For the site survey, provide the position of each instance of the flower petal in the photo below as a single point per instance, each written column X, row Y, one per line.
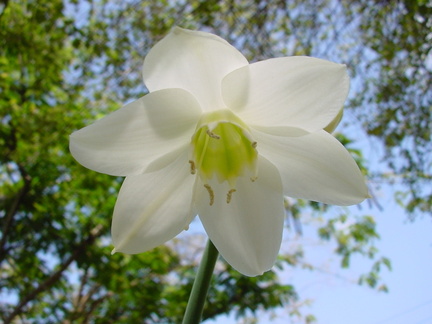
column 126, row 141
column 248, row 230
column 296, row 91
column 194, row 61
column 335, row 122
column 153, row 208
column 315, row 167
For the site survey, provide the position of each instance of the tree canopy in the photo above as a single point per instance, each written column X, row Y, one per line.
column 64, row 64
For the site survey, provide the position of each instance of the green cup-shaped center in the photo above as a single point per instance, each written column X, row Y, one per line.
column 223, row 147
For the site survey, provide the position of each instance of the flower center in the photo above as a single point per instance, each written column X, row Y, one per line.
column 222, row 147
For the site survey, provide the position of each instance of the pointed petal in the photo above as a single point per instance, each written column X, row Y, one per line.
column 194, row 61
column 335, row 122
column 302, row 92
column 126, row 141
column 153, row 208
column 248, row 230
column 315, row 167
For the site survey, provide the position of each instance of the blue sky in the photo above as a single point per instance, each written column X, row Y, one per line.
column 332, row 294
column 409, row 300
column 336, row 299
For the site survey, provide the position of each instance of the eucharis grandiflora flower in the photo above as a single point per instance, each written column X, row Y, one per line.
column 225, row 140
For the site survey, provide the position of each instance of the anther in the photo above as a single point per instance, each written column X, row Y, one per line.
column 253, row 179
column 192, row 167
column 229, row 195
column 211, row 193
column 254, row 144
column 212, row 135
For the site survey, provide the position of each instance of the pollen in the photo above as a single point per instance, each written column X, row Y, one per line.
column 229, row 195
column 211, row 193
column 192, row 167
column 212, row 135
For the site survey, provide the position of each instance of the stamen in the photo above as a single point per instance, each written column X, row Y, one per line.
column 211, row 193
column 229, row 195
column 255, row 175
column 254, row 144
column 192, row 167
column 212, row 135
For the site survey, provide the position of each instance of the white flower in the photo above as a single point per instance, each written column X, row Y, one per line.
column 226, row 140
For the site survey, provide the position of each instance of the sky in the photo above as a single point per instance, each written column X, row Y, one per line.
column 409, row 300
column 336, row 298
column 333, row 295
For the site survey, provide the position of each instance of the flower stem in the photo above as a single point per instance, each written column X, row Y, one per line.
column 201, row 285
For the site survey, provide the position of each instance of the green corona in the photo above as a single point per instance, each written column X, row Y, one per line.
column 223, row 147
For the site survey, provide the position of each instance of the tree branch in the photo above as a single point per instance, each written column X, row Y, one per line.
column 95, row 232
column 13, row 209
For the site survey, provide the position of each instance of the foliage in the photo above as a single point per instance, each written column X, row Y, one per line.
column 56, row 265
column 66, row 63
column 396, row 97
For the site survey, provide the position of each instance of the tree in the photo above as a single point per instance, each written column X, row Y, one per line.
column 54, row 250
column 65, row 63
column 395, row 101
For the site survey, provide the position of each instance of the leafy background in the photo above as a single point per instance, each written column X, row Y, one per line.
column 64, row 64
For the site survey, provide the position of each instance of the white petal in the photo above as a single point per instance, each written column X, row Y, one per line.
column 153, row 208
column 335, row 122
column 298, row 91
column 194, row 61
column 126, row 141
column 315, row 167
column 248, row 230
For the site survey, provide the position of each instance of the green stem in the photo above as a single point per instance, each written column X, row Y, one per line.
column 201, row 285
